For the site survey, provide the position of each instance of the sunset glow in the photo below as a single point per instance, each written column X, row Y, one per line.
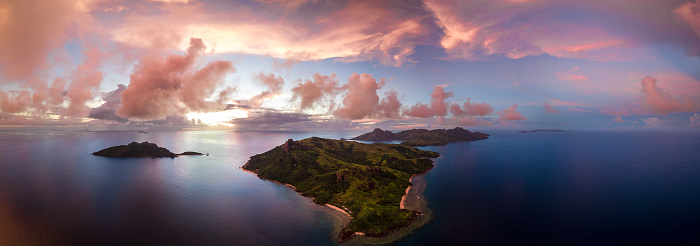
column 166, row 62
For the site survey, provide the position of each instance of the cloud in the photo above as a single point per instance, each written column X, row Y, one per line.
column 515, row 29
column 616, row 112
column 84, row 84
column 689, row 13
column 270, row 118
column 15, row 102
column 550, row 109
column 389, row 106
column 420, row 110
column 579, row 110
column 652, row 122
column 287, row 4
column 618, row 119
column 573, row 74
column 660, row 101
column 362, row 101
column 29, row 29
column 510, row 114
column 40, row 98
column 167, row 86
column 472, row 31
column 471, row 109
column 107, row 111
column 437, row 107
column 274, row 86
column 695, row 120
column 348, row 31
column 313, row 91
column 564, row 103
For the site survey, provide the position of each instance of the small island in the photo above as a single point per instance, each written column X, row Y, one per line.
column 144, row 149
column 423, row 137
column 546, row 130
column 366, row 181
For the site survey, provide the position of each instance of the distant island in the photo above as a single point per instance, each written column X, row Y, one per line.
column 423, row 137
column 546, row 130
column 144, row 149
column 365, row 181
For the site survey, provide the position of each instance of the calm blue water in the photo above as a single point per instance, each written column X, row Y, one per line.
column 530, row 188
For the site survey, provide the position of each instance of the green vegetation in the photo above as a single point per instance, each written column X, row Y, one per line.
column 423, row 137
column 366, row 180
column 135, row 149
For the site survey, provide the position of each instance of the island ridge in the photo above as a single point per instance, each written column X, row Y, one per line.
column 367, row 181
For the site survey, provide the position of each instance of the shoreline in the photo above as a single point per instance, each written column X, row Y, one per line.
column 412, row 199
column 402, row 205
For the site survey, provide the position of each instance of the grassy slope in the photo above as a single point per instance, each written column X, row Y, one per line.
column 368, row 180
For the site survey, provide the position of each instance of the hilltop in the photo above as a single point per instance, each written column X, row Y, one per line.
column 365, row 180
column 144, row 149
column 423, row 137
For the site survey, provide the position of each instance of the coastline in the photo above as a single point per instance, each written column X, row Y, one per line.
column 403, row 203
column 413, row 199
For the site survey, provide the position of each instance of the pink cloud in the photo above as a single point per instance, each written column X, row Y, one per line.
column 389, row 106
column 438, row 107
column 573, row 74
column 419, row 110
column 84, row 84
column 471, row 109
column 273, row 84
column 563, row 103
column 472, row 31
column 695, row 120
column 579, row 110
column 15, row 102
column 347, row 31
column 618, row 119
column 27, row 41
column 550, row 109
column 510, row 114
column 165, row 86
column 689, row 13
column 616, row 112
column 660, row 101
column 361, row 100
column 40, row 98
column 529, row 28
column 312, row 91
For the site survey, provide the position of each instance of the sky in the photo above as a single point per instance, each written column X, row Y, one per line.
column 315, row 64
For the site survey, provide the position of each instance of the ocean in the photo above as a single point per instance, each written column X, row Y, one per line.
column 565, row 188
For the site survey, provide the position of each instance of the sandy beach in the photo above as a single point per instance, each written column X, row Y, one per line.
column 339, row 210
column 412, row 200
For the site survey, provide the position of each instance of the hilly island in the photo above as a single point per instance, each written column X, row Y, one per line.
column 367, row 181
column 144, row 149
column 423, row 137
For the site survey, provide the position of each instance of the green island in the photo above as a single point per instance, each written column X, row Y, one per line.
column 367, row 181
column 144, row 149
column 423, row 137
